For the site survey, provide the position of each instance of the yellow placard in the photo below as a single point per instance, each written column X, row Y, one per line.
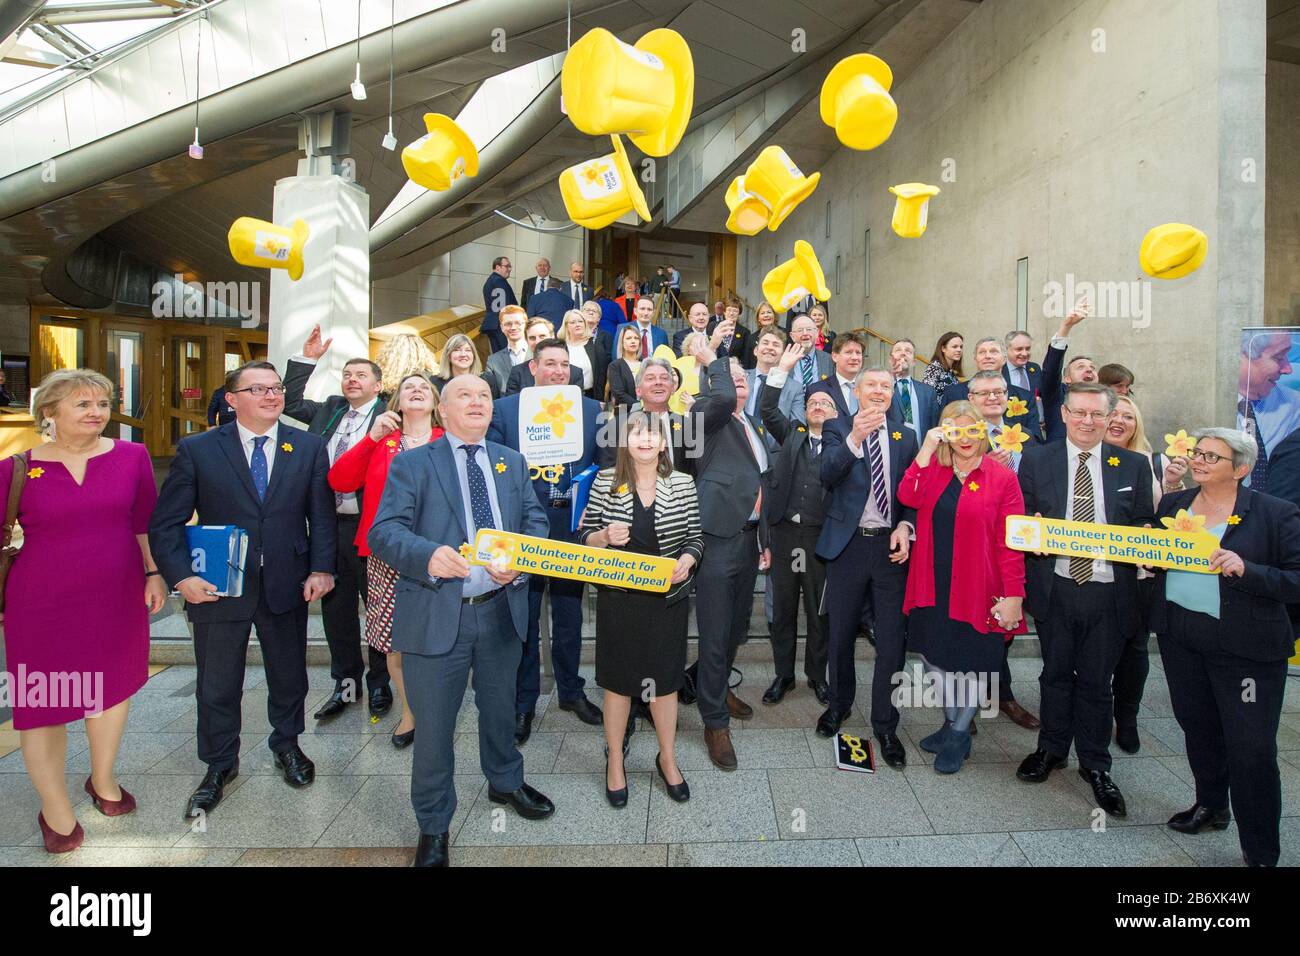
column 507, row 551
column 1156, row 547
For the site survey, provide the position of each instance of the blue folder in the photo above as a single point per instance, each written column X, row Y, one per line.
column 580, row 488
column 217, row 554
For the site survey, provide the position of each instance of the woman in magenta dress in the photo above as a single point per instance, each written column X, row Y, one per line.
column 79, row 595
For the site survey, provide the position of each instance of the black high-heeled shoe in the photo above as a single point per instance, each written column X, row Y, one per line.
column 679, row 792
column 617, row 798
column 402, row 741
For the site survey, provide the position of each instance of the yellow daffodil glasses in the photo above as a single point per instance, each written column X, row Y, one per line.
column 953, row 432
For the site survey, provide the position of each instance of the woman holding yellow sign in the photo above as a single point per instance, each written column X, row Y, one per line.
column 641, row 505
column 1225, row 640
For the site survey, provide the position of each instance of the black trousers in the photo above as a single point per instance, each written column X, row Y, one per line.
column 1081, row 642
column 797, row 573
column 220, row 650
column 724, row 600
column 1134, row 661
column 863, row 570
column 1229, row 708
column 342, row 623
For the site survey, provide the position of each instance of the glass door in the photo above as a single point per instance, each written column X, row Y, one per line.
column 132, row 375
column 188, row 387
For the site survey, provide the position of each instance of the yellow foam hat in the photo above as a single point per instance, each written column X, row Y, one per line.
column 264, row 245
column 747, row 214
column 855, row 101
column 601, row 190
column 441, row 156
column 778, row 184
column 1172, row 250
column 644, row 91
column 795, row 278
column 911, row 209
column 689, row 370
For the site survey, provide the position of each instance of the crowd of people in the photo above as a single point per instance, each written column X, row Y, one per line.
column 874, row 500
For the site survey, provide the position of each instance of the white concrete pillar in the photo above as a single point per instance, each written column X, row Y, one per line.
column 334, row 290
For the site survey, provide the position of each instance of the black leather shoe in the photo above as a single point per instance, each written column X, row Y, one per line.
column 1126, row 736
column 525, row 801
column 821, row 690
column 678, row 792
column 523, row 728
column 891, row 748
column 687, row 694
column 402, row 741
column 828, row 724
column 381, row 701
column 298, row 770
column 431, row 850
column 780, row 687
column 866, row 634
column 617, row 798
column 585, row 710
column 1197, row 818
column 333, row 706
column 1038, row 765
column 209, row 792
column 1103, row 788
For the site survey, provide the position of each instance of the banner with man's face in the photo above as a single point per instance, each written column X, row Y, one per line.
column 1268, row 391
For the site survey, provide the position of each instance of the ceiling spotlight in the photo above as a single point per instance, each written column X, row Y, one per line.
column 196, row 151
column 358, row 88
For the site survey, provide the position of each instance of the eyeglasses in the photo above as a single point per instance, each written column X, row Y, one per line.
column 259, row 391
column 1209, row 457
column 1087, row 416
column 991, row 393
column 958, row 432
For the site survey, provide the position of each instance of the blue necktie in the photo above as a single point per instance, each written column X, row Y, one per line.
column 257, row 465
column 905, row 394
column 806, row 369
column 479, row 503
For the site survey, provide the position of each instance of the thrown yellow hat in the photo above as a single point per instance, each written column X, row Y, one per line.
column 441, row 156
column 644, row 91
column 601, row 190
column 855, row 101
column 795, row 278
column 748, row 216
column 1172, row 250
column 264, row 245
column 689, row 370
column 911, row 209
column 778, row 184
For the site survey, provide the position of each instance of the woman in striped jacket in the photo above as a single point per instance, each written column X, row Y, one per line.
column 644, row 507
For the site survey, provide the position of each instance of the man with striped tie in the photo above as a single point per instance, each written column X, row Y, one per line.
column 1082, row 606
column 816, row 365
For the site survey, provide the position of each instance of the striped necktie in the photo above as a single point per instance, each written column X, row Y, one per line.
column 1085, row 509
column 806, row 369
column 879, row 487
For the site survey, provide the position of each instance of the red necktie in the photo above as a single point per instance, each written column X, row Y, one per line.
column 645, row 343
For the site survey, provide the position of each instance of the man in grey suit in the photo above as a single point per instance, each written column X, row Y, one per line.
column 816, row 365
column 437, row 497
column 517, row 351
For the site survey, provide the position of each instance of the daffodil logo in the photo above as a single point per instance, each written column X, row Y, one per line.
column 594, row 172
column 555, row 413
column 1179, row 445
column 1026, row 535
column 1184, row 521
column 1017, row 407
column 1012, row 439
column 499, row 551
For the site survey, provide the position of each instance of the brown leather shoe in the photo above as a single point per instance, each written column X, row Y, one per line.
column 738, row 708
column 1019, row 715
column 721, row 752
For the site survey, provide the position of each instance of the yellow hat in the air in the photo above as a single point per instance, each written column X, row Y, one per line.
column 796, row 278
column 775, row 180
column 747, row 214
column 645, row 91
column 441, row 156
column 264, row 245
column 1172, row 250
column 911, row 209
column 855, row 101
column 601, row 190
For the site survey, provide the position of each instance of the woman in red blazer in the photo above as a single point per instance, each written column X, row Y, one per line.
column 964, row 585
column 410, row 421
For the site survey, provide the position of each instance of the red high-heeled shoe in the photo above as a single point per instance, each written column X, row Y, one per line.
column 59, row 842
column 111, row 808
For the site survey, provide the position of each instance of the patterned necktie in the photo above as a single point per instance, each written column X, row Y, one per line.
column 480, row 504
column 345, row 442
column 905, row 399
column 879, row 488
column 645, row 343
column 1258, row 474
column 257, row 466
column 1084, row 510
column 816, row 446
column 806, row 369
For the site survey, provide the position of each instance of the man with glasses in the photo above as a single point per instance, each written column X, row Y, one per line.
column 1083, row 606
column 1021, row 406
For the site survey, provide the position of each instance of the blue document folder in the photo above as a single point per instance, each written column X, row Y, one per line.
column 580, row 488
column 217, row 554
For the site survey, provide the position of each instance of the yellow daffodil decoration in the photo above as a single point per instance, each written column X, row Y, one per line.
column 286, row 447
column 677, row 426
column 1113, row 461
column 1012, row 439
column 1234, row 519
column 1184, row 521
column 973, row 486
column 1180, row 445
column 35, row 472
column 622, row 489
column 555, row 412
column 391, row 443
column 898, row 436
column 501, row 467
column 466, row 550
column 802, row 429
column 1017, row 407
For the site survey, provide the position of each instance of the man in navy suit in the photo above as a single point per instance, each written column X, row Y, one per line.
column 451, row 617
column 497, row 294
column 865, row 541
column 536, row 283
column 269, row 480
column 550, row 367
column 1057, row 376
column 697, row 320
column 847, row 355
column 651, row 335
column 1019, row 370
column 1021, row 408
column 915, row 403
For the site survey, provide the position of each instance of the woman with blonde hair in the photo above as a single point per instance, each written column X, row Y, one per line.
column 84, row 508
column 764, row 317
column 459, row 357
column 585, row 353
column 623, row 369
column 404, row 354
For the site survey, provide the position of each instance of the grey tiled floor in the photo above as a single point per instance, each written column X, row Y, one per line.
column 785, row 806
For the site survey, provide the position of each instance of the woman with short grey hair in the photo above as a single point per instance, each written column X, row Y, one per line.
column 1222, row 633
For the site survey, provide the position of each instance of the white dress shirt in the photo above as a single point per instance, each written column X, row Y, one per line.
column 269, row 447
column 760, row 454
column 1102, row 572
column 355, row 430
column 578, row 356
column 871, row 516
